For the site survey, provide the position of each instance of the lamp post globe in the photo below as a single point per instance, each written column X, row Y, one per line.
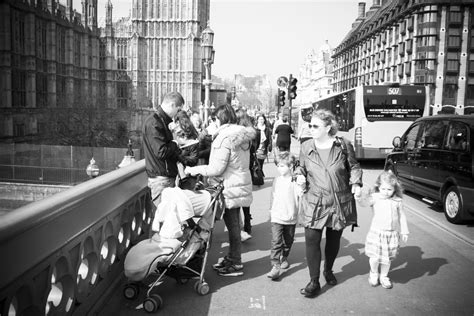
column 92, row 169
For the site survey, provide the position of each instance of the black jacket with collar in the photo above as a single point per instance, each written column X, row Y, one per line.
column 161, row 152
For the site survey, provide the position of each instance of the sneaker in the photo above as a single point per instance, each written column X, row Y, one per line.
column 244, row 236
column 274, row 273
column 386, row 283
column 284, row 263
column 373, row 279
column 232, row 269
column 221, row 263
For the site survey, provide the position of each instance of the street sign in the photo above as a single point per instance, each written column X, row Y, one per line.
column 282, row 82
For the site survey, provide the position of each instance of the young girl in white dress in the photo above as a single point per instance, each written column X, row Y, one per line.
column 388, row 226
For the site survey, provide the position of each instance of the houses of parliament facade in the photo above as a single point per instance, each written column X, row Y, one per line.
column 53, row 57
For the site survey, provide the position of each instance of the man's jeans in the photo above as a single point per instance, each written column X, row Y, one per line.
column 157, row 185
column 232, row 222
column 282, row 240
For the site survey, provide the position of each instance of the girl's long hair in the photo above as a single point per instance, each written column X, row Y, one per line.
column 390, row 178
column 188, row 129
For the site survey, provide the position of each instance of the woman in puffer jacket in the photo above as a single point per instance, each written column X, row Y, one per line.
column 229, row 162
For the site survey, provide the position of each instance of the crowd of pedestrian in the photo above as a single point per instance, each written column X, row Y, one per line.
column 318, row 193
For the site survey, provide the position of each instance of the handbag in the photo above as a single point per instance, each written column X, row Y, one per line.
column 258, row 177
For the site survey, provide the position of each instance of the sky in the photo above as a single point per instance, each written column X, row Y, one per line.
column 273, row 37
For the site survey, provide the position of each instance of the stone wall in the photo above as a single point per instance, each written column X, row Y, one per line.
column 28, row 192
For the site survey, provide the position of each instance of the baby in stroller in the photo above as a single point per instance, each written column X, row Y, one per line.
column 180, row 244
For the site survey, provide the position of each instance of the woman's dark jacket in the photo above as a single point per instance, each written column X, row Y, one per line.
column 161, row 152
column 318, row 205
column 267, row 145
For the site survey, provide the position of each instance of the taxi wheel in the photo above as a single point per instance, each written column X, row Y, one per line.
column 452, row 205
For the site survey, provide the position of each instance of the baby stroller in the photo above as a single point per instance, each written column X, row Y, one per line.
column 181, row 258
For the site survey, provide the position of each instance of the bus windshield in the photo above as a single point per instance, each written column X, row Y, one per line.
column 404, row 103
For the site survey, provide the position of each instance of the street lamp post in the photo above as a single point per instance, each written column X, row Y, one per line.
column 207, row 39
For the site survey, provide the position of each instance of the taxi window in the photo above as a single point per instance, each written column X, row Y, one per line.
column 457, row 137
column 433, row 134
column 410, row 137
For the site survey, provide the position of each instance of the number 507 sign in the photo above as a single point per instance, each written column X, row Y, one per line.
column 394, row 91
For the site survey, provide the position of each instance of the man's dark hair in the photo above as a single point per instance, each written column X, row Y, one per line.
column 226, row 114
column 285, row 119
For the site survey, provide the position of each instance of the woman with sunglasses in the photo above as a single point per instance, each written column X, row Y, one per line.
column 333, row 176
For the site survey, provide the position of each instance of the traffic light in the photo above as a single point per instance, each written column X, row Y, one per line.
column 281, row 98
column 292, row 88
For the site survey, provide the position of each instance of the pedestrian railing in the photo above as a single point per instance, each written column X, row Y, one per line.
column 61, row 255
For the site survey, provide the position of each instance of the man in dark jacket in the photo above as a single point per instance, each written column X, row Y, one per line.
column 161, row 152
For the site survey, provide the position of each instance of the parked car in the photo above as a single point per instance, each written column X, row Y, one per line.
column 435, row 158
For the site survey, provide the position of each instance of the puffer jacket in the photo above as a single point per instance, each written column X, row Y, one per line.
column 318, row 205
column 229, row 161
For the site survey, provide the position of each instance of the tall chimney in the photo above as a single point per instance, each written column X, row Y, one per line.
column 361, row 14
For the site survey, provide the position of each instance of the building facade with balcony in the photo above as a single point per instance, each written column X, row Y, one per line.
column 53, row 58
column 412, row 42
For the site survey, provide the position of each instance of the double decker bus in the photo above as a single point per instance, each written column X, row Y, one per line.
column 371, row 116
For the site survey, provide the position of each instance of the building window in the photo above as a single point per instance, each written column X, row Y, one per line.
column 18, row 31
column 102, row 55
column 452, row 64
column 470, row 94
column 450, row 91
column 61, row 44
column 471, row 62
column 41, row 90
column 122, row 95
column 122, row 54
column 41, row 43
column 454, row 38
column 77, row 49
column 19, row 130
column 18, row 88
column 455, row 15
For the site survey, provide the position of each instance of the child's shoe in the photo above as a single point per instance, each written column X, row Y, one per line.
column 274, row 273
column 232, row 269
column 385, row 282
column 373, row 279
column 284, row 263
column 244, row 236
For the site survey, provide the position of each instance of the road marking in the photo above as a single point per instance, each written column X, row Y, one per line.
column 257, row 303
column 447, row 229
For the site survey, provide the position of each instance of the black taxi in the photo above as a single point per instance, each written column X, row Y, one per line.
column 435, row 159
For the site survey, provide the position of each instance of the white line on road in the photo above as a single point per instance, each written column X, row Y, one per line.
column 447, row 229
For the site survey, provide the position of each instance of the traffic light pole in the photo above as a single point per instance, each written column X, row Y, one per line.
column 289, row 101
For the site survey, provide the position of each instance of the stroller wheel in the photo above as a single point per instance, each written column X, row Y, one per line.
column 182, row 280
column 130, row 291
column 201, row 288
column 152, row 303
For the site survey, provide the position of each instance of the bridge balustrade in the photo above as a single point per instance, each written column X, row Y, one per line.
column 63, row 254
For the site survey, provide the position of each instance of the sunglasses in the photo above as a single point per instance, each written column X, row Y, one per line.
column 313, row 126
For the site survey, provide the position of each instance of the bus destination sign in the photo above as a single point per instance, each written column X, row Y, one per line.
column 394, row 103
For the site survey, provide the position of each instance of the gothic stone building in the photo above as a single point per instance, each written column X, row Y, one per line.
column 412, row 42
column 53, row 57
